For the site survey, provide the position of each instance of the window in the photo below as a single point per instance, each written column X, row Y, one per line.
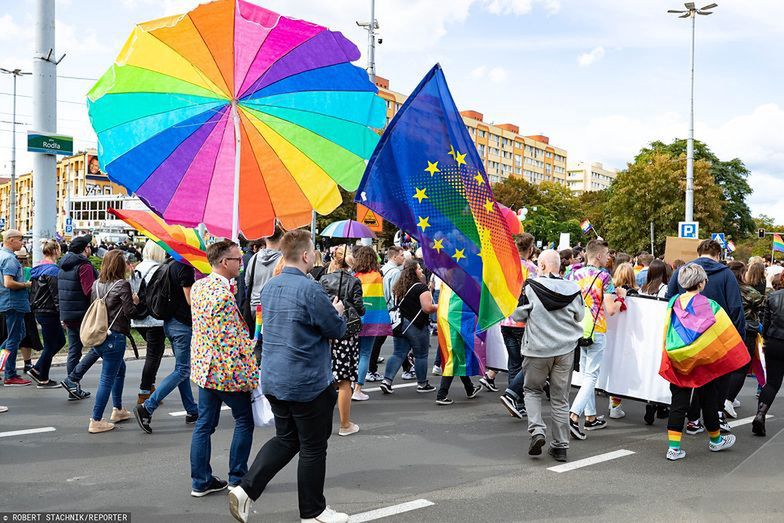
column 481, row 148
column 482, row 133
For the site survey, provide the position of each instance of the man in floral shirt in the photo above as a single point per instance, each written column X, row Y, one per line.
column 223, row 366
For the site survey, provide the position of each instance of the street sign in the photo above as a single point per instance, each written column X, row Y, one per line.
column 68, row 231
column 720, row 238
column 69, row 221
column 2, row 223
column 689, row 230
column 373, row 221
column 40, row 142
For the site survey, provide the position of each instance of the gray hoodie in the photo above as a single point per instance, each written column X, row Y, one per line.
column 265, row 261
column 553, row 310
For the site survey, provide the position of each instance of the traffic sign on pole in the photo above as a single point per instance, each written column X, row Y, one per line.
column 720, row 238
column 689, row 230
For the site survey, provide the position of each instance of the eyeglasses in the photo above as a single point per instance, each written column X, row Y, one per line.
column 235, row 259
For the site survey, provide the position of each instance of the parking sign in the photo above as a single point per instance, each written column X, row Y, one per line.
column 689, row 230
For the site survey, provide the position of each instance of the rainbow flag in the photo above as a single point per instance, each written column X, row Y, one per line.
column 182, row 243
column 586, row 226
column 701, row 343
column 778, row 243
column 376, row 321
column 259, row 323
column 730, row 246
column 462, row 350
column 426, row 176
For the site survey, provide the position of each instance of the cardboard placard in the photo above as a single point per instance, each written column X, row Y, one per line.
column 680, row 249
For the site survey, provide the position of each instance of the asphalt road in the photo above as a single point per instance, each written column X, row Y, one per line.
column 468, row 459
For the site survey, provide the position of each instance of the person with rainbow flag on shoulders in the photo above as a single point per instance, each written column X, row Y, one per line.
column 701, row 345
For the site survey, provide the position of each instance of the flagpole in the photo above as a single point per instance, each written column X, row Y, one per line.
column 235, row 216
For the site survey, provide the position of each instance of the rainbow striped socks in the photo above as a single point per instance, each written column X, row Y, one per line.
column 715, row 436
column 675, row 439
column 615, row 401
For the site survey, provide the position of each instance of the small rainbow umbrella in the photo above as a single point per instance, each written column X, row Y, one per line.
column 183, row 244
column 347, row 229
column 234, row 116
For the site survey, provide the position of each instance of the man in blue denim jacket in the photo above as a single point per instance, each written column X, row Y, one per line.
column 296, row 377
column 14, row 303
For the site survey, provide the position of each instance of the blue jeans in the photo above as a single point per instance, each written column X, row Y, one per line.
column 54, row 340
column 590, row 364
column 415, row 339
column 74, row 347
column 210, row 401
column 365, row 350
column 112, row 351
column 180, row 336
column 14, row 323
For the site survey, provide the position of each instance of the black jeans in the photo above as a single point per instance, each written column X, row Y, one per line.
column 376, row 353
column 302, row 428
column 156, row 339
column 774, row 363
column 681, row 398
column 54, row 340
column 738, row 377
column 446, row 382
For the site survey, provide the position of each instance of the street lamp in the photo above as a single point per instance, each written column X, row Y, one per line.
column 371, row 28
column 12, row 203
column 691, row 12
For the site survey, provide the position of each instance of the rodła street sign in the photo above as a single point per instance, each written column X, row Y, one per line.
column 40, row 142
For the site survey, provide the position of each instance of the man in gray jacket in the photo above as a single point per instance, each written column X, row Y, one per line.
column 553, row 310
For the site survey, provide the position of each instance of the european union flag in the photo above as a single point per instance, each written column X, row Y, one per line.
column 426, row 177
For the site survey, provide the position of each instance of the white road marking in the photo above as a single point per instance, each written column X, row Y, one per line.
column 390, row 511
column 26, row 431
column 394, row 387
column 744, row 421
column 183, row 413
column 591, row 461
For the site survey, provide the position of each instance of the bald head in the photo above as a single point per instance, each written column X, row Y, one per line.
column 549, row 262
column 13, row 239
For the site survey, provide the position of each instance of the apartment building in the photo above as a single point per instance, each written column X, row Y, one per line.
column 584, row 177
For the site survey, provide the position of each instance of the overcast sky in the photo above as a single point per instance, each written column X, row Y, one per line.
column 601, row 78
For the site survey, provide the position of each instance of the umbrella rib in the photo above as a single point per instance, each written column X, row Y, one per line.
column 246, row 94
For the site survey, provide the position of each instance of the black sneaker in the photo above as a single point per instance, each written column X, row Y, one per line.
column 216, row 485
column 75, row 392
column 662, row 412
column 385, row 387
column 535, row 447
column 444, row 401
column 36, row 376
column 598, row 423
column 143, row 418
column 27, row 367
column 427, row 387
column 574, row 428
column 475, row 392
column 488, row 383
column 650, row 412
column 558, row 454
column 49, row 384
column 511, row 406
column 190, row 419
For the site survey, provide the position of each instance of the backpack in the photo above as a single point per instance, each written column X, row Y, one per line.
column 139, row 285
column 160, row 293
column 95, row 325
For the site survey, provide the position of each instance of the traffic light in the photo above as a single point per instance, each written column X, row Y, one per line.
column 761, row 233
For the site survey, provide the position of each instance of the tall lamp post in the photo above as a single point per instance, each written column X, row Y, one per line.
column 691, row 11
column 371, row 28
column 12, row 199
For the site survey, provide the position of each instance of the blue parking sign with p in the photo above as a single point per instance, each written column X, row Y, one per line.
column 689, row 230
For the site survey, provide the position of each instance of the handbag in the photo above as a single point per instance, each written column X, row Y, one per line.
column 585, row 341
column 396, row 318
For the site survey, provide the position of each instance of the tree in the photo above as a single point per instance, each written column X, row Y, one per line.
column 651, row 190
column 593, row 207
column 731, row 176
column 755, row 246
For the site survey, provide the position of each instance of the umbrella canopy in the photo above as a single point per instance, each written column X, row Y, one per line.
column 347, row 229
column 233, row 116
column 183, row 244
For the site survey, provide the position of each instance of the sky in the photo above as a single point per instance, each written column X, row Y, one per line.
column 601, row 78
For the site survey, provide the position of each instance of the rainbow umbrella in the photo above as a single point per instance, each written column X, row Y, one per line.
column 234, row 116
column 183, row 244
column 347, row 229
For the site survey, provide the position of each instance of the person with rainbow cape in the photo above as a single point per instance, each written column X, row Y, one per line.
column 701, row 345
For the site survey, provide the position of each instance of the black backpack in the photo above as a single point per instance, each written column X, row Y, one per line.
column 142, row 309
column 159, row 293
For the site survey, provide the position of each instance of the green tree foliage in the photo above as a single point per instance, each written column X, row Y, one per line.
column 593, row 207
column 731, row 176
column 755, row 246
column 651, row 190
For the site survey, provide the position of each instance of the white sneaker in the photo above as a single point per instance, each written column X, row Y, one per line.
column 736, row 403
column 617, row 412
column 675, row 454
column 408, row 376
column 359, row 396
column 239, row 504
column 351, row 429
column 328, row 516
column 437, row 370
column 730, row 409
column 3, row 408
column 726, row 442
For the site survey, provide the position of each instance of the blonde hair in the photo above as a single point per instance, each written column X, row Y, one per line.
column 50, row 248
column 339, row 260
column 153, row 251
column 624, row 276
column 318, row 260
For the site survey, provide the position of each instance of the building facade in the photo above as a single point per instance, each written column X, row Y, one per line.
column 584, row 177
column 504, row 151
